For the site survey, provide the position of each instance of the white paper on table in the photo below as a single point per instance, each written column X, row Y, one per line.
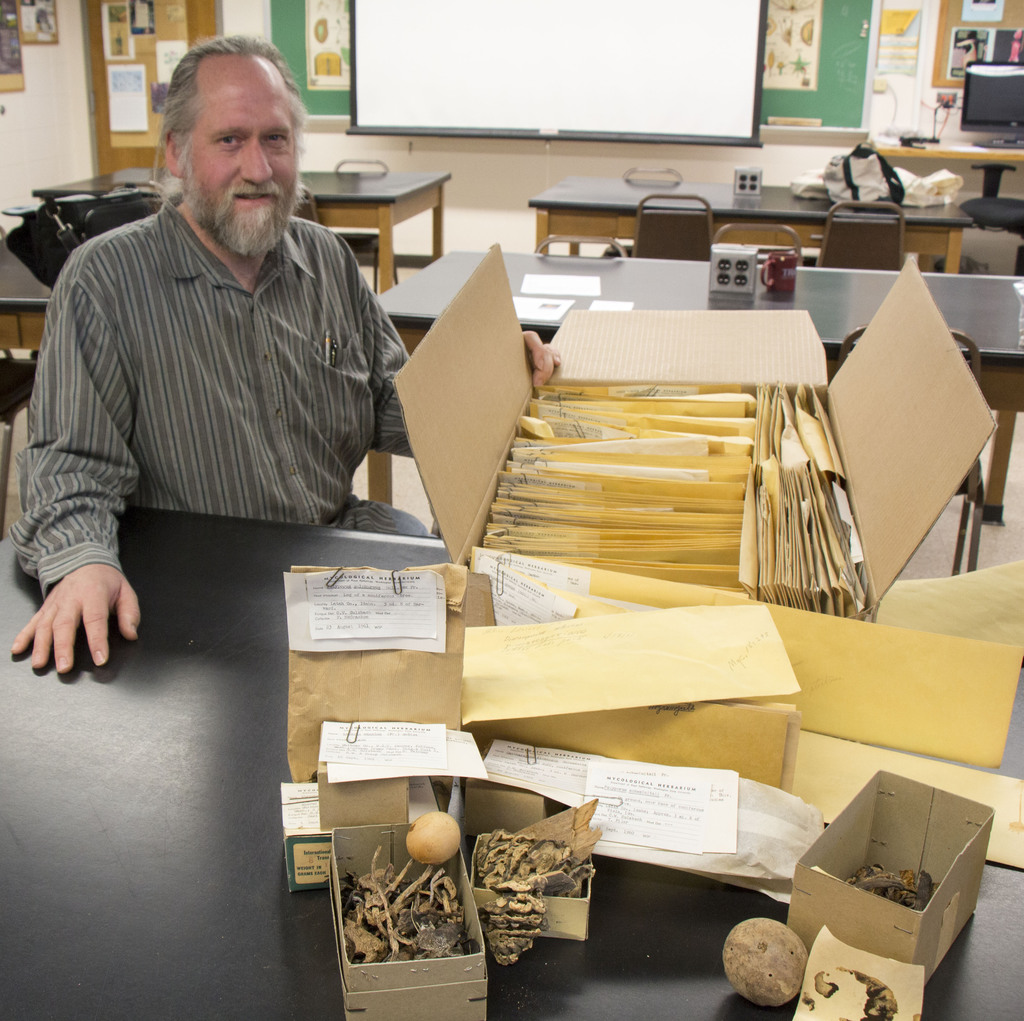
column 519, row 599
column 676, row 808
column 607, row 305
column 300, row 806
column 463, row 759
column 841, row 981
column 561, row 283
column 551, row 572
column 384, row 744
column 541, row 770
column 365, row 610
column 545, row 310
column 126, row 86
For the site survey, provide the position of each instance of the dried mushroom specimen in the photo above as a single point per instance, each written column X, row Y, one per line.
column 905, row 888
column 548, row 859
column 389, row 918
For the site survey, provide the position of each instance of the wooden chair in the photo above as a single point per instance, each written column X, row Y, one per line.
column 366, row 246
column 972, row 489
column 863, row 235
column 767, row 237
column 673, row 227
column 575, row 240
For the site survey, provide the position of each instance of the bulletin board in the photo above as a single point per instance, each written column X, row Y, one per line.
column 833, row 41
column 987, row 35
column 12, row 71
column 326, row 94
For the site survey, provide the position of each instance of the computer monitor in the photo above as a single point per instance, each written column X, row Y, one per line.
column 994, row 99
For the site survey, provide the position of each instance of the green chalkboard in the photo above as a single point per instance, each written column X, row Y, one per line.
column 288, row 33
column 838, row 101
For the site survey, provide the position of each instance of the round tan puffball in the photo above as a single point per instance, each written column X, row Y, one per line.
column 433, row 838
column 764, row 961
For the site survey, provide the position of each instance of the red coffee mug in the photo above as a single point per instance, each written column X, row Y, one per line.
column 779, row 271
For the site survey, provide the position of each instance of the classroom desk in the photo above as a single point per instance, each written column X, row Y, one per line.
column 142, row 854
column 378, row 202
column 606, row 207
column 940, row 152
column 838, row 300
column 22, row 303
column 366, row 201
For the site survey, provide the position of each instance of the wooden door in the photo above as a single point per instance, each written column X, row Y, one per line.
column 183, row 21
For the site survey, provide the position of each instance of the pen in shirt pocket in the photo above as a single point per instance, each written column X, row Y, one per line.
column 330, row 349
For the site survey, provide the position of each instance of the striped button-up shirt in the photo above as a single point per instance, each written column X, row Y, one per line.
column 162, row 382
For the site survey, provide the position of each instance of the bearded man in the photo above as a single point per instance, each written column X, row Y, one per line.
column 220, row 357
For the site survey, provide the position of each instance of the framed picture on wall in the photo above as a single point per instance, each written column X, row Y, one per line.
column 38, row 21
column 970, row 30
column 12, row 73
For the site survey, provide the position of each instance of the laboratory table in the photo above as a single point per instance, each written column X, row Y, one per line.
column 838, row 300
column 606, row 207
column 141, row 854
column 363, row 201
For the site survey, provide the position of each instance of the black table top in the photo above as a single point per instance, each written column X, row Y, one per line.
column 619, row 195
column 370, row 187
column 141, row 854
column 838, row 300
column 20, row 291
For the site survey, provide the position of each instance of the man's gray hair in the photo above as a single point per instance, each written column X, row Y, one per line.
column 181, row 107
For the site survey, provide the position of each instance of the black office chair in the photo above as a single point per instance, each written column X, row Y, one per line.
column 972, row 489
column 863, row 235
column 673, row 227
column 990, row 212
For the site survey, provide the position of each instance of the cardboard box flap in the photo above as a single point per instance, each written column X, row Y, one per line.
column 910, row 420
column 736, row 346
column 462, row 392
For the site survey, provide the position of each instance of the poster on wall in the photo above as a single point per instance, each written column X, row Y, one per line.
column 967, row 46
column 328, row 57
column 118, row 43
column 898, row 37
column 38, row 21
column 126, row 86
column 792, row 44
column 12, row 76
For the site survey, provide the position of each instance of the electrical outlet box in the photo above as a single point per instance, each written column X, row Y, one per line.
column 946, row 100
column 733, row 269
column 746, row 181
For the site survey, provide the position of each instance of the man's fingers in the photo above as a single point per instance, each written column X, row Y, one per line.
column 128, row 614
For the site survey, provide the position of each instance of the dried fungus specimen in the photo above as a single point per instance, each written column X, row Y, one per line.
column 905, row 888
column 388, row 917
column 549, row 859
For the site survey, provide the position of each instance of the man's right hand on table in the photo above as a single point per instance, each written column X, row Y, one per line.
column 88, row 596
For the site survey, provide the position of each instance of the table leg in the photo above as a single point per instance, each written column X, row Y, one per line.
column 438, row 232
column 543, row 229
column 954, row 245
column 386, row 252
column 378, row 476
column 998, row 466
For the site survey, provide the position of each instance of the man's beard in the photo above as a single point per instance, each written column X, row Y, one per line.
column 242, row 232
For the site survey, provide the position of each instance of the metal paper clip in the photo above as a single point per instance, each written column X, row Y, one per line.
column 350, row 737
column 396, row 583
column 531, row 756
column 334, row 578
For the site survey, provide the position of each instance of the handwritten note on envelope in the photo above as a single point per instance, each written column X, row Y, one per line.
column 629, row 659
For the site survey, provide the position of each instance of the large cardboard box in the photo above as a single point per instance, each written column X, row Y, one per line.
column 908, row 416
column 899, row 824
column 452, row 987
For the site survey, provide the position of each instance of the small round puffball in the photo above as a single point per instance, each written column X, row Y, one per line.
column 764, row 961
column 433, row 838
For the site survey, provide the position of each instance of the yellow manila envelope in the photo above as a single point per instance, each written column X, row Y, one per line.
column 689, row 654
column 830, row 772
column 932, row 694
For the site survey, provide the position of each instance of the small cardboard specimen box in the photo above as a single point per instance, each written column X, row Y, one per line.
column 566, row 917
column 425, row 990
column 907, row 414
column 382, row 685
column 899, row 824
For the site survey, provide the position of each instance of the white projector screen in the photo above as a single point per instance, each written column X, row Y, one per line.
column 620, row 70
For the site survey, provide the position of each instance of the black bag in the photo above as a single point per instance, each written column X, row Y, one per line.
column 863, row 176
column 50, row 231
